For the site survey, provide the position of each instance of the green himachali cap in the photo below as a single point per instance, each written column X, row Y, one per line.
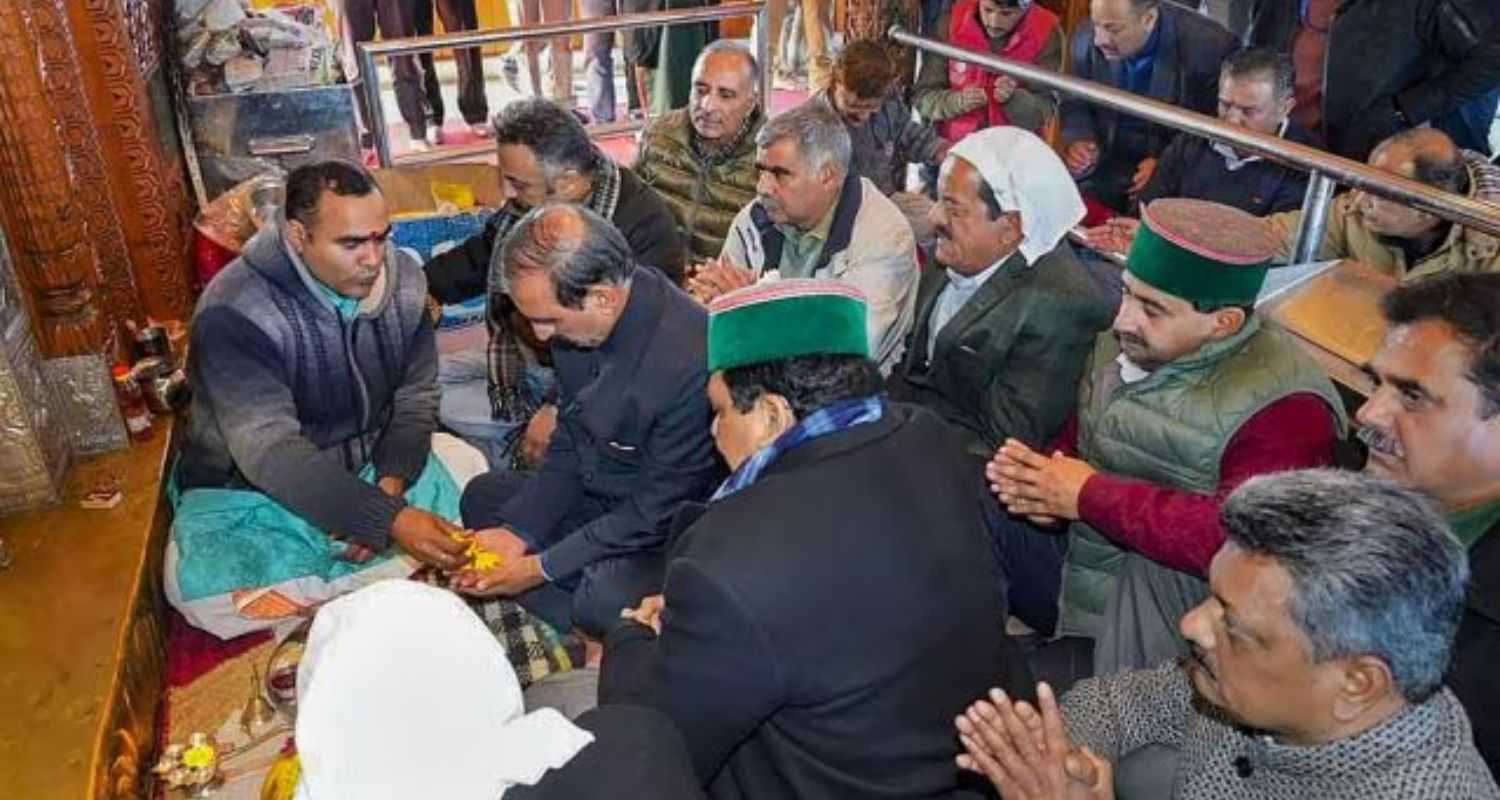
column 1206, row 253
column 785, row 319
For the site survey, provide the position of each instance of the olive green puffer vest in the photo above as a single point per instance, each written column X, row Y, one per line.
column 704, row 193
column 1171, row 429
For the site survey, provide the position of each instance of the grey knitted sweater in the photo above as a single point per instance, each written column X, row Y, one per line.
column 1426, row 751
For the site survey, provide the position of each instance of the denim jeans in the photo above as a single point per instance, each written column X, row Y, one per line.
column 464, row 407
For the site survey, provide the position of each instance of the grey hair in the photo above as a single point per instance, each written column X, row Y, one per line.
column 1374, row 567
column 552, row 133
column 1273, row 65
column 575, row 257
column 820, row 135
column 730, row 46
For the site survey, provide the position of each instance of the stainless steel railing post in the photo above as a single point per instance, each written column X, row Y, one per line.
column 763, row 55
column 370, row 84
column 1314, row 218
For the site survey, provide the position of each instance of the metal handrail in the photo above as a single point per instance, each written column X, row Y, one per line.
column 367, row 51
column 1325, row 169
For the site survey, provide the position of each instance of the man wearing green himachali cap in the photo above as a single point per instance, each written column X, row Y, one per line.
column 834, row 606
column 1188, row 396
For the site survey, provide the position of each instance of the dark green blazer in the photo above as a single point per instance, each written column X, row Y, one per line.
column 1009, row 362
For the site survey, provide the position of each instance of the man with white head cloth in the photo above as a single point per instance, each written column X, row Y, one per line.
column 403, row 693
column 1003, row 329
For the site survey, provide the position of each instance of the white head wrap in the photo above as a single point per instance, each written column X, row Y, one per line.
column 1026, row 176
column 403, row 693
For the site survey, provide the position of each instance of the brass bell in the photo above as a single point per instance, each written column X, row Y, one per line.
column 257, row 715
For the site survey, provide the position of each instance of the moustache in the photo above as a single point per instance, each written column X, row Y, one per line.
column 1380, row 442
column 1130, row 339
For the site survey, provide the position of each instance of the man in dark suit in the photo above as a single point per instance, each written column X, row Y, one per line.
column 545, row 156
column 1003, row 329
column 583, row 537
column 1156, row 50
column 825, row 616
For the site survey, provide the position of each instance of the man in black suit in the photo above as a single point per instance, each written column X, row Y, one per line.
column 1156, row 50
column 826, row 616
column 583, row 537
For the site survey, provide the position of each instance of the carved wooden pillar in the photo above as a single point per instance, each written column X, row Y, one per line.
column 127, row 92
column 92, row 194
column 43, row 213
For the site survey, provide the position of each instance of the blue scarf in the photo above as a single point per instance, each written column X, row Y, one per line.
column 840, row 416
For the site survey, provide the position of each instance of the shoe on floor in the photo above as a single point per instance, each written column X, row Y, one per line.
column 482, row 130
column 433, row 136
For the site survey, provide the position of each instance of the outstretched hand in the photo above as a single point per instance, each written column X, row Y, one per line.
column 428, row 538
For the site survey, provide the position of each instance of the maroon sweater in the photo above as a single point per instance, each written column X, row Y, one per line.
column 1181, row 529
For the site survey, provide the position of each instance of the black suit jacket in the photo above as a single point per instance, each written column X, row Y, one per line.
column 632, row 432
column 1008, row 363
column 824, row 625
column 1476, row 650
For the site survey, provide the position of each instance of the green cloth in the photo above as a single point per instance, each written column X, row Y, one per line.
column 785, row 319
column 1206, row 253
column 1471, row 525
column 231, row 539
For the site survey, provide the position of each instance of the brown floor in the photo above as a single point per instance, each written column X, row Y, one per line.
column 65, row 605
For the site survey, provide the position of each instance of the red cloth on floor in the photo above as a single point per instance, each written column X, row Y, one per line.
column 191, row 653
column 1180, row 529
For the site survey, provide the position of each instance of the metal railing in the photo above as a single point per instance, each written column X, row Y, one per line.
column 368, row 51
column 1325, row 170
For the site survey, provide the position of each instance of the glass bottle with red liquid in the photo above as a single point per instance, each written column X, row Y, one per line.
column 132, row 404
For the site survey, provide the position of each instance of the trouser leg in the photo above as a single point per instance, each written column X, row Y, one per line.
column 529, row 13
column 599, row 64
column 561, row 53
column 357, row 23
column 395, row 20
column 432, row 89
column 814, row 30
column 460, row 15
column 775, row 9
column 1031, row 560
column 609, row 586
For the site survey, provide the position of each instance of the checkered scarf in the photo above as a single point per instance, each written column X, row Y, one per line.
column 840, row 416
column 507, row 355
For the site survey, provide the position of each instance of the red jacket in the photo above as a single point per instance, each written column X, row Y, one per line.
column 1025, row 44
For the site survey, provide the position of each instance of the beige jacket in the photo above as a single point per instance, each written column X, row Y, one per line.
column 1465, row 250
